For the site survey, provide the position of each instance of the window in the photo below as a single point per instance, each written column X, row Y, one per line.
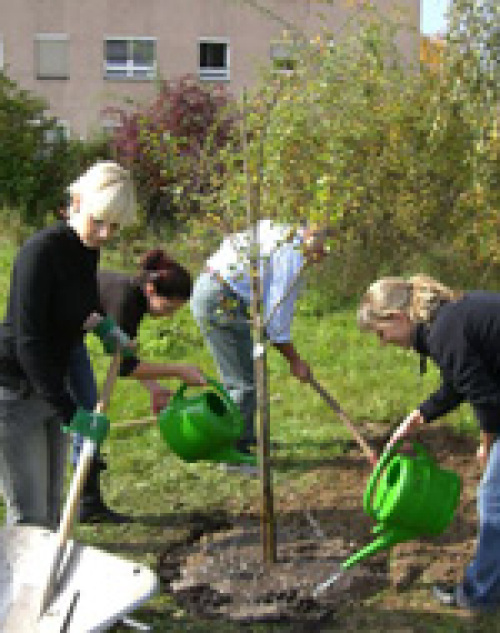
column 213, row 59
column 52, row 56
column 130, row 58
column 283, row 57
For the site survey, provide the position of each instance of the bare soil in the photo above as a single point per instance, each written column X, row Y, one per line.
column 217, row 572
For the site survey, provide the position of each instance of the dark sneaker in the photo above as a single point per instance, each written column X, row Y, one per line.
column 445, row 594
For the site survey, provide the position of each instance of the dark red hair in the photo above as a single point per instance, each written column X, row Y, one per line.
column 168, row 277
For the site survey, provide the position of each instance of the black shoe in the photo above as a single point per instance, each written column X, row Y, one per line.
column 445, row 594
column 98, row 512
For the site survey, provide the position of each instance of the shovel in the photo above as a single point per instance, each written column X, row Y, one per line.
column 26, row 612
column 367, row 450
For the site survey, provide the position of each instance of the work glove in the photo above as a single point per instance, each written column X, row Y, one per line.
column 90, row 424
column 113, row 338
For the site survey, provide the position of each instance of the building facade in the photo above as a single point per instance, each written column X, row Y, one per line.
column 85, row 55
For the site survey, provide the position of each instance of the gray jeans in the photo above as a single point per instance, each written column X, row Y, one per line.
column 223, row 321
column 33, row 452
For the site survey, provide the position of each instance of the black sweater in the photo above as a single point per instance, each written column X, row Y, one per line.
column 53, row 290
column 464, row 341
column 123, row 299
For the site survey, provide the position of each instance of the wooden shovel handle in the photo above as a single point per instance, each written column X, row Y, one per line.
column 76, row 487
column 86, row 458
column 109, row 383
column 368, row 451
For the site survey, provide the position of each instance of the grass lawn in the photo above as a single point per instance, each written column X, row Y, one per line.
column 147, row 480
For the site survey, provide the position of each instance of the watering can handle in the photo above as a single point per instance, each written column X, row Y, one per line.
column 382, row 463
column 235, row 411
column 228, row 401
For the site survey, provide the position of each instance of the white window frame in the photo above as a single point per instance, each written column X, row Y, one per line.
column 130, row 69
column 215, row 74
column 51, row 37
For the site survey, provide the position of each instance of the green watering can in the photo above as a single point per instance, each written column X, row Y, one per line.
column 409, row 496
column 203, row 426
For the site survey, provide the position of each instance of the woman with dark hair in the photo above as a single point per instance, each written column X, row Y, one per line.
column 161, row 287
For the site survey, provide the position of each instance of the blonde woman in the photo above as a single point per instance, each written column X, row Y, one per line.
column 53, row 300
column 461, row 333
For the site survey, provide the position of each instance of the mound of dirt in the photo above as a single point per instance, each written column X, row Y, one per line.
column 218, row 572
column 223, row 576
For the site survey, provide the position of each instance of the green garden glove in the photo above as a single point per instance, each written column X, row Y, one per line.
column 90, row 424
column 113, row 338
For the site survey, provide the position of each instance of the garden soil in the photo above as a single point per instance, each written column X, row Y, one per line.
column 217, row 572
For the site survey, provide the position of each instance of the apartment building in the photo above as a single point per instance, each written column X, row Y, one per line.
column 85, row 55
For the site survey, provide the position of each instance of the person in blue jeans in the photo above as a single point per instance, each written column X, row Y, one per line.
column 222, row 295
column 160, row 287
column 461, row 334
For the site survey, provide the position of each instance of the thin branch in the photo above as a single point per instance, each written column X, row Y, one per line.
column 276, row 17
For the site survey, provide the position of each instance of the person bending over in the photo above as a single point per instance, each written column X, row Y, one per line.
column 461, row 334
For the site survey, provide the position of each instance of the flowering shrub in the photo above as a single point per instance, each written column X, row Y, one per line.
column 166, row 143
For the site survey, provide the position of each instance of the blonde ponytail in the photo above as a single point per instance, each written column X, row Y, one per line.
column 419, row 297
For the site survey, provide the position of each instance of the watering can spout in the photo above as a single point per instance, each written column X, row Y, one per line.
column 386, row 538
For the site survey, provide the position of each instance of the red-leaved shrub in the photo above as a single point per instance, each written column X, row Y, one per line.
column 168, row 145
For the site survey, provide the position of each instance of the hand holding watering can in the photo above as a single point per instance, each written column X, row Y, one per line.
column 160, row 397
column 411, row 421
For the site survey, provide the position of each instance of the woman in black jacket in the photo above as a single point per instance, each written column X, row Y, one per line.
column 53, row 300
column 160, row 288
column 461, row 333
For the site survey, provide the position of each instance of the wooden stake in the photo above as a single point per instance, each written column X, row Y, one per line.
column 268, row 531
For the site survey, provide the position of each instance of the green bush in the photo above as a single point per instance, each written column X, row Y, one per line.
column 36, row 161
